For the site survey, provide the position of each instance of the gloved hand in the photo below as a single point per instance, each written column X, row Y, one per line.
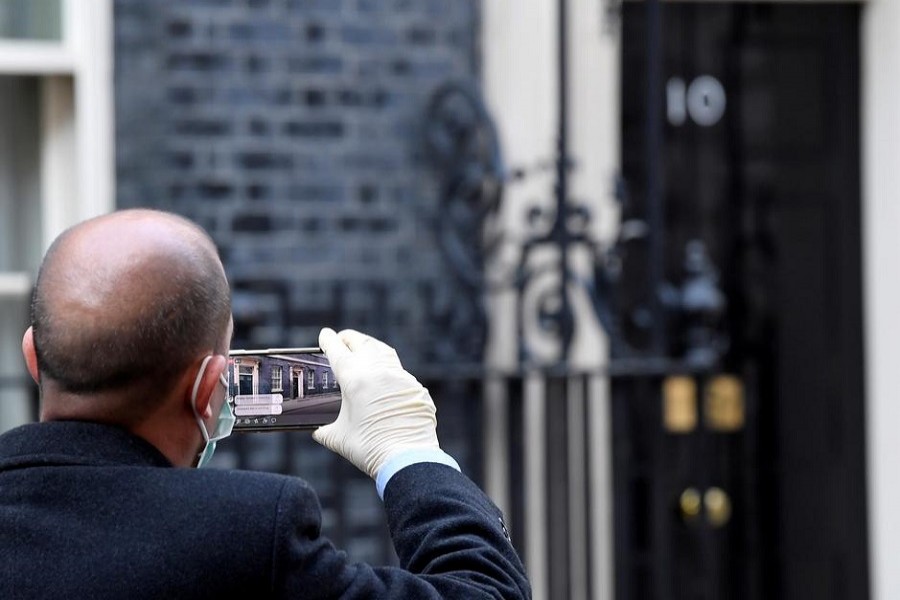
column 384, row 410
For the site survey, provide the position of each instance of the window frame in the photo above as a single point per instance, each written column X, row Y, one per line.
column 277, row 380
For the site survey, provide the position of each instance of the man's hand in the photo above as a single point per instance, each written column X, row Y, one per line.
column 385, row 410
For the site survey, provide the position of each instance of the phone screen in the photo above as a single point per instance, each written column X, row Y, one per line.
column 282, row 388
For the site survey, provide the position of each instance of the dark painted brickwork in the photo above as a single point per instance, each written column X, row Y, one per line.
column 289, row 130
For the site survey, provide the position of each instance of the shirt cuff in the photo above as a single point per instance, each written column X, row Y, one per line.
column 405, row 458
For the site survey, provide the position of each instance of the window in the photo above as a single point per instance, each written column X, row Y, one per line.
column 311, row 380
column 48, row 49
column 276, row 378
column 324, row 380
column 31, row 19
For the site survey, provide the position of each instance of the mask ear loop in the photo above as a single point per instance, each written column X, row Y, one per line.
column 194, row 391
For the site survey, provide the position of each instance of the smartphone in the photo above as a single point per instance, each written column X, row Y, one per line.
column 279, row 389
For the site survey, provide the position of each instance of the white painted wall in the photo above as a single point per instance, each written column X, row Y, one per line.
column 520, row 84
column 881, row 238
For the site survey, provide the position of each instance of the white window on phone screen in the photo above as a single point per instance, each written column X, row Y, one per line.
column 277, row 374
column 311, row 380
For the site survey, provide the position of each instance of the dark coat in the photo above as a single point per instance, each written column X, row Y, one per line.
column 90, row 511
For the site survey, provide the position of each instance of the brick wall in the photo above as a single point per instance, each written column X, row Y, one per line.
column 290, row 130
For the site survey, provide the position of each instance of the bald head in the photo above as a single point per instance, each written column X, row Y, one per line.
column 128, row 299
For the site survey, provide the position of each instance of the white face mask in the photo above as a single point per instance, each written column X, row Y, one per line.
column 224, row 423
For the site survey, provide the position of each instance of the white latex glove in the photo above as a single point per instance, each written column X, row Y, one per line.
column 384, row 409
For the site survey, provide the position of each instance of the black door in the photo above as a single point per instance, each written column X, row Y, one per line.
column 245, row 380
column 760, row 163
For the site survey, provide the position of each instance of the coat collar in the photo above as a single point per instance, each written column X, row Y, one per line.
column 75, row 443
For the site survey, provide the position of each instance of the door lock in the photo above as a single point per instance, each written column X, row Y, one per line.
column 715, row 501
column 690, row 504
column 718, row 506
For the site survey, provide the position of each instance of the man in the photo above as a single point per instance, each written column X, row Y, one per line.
column 129, row 340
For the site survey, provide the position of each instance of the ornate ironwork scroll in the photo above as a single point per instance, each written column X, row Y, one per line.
column 461, row 142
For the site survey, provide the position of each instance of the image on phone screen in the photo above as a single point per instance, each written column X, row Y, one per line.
column 280, row 389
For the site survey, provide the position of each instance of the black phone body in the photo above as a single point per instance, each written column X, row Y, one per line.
column 282, row 389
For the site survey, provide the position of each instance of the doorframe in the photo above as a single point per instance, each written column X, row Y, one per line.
column 881, row 287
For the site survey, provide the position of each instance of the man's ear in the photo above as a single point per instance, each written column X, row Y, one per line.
column 30, row 354
column 209, row 382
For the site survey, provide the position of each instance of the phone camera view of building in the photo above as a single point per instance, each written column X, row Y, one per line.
column 279, row 389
